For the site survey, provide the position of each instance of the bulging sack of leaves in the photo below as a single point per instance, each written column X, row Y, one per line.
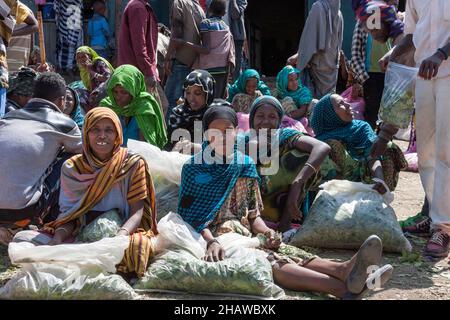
column 105, row 226
column 68, row 271
column 345, row 214
column 247, row 272
column 57, row 281
column 397, row 103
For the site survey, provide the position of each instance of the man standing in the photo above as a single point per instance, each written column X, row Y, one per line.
column 236, row 10
column 319, row 48
column 138, row 39
column 186, row 17
column 427, row 29
column 366, row 52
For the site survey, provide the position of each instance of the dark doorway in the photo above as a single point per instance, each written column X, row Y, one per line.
column 273, row 30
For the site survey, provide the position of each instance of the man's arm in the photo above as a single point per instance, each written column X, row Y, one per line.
column 359, row 43
column 30, row 28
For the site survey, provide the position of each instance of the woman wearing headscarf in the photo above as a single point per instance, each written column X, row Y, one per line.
column 95, row 71
column 246, row 89
column 220, row 195
column 198, row 93
column 351, row 141
column 320, row 44
column 301, row 160
column 73, row 107
column 293, row 95
column 105, row 177
column 139, row 112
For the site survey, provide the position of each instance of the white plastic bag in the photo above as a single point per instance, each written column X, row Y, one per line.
column 164, row 166
column 397, row 103
column 344, row 214
column 68, row 271
column 175, row 233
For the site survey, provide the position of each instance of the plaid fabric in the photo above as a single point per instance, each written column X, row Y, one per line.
column 206, row 187
column 358, row 62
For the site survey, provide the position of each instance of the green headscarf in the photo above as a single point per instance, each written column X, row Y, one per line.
column 143, row 106
column 241, row 82
column 84, row 73
column 301, row 96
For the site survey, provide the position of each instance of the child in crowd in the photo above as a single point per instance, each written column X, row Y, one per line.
column 98, row 30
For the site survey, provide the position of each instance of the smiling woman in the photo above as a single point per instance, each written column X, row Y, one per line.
column 105, row 177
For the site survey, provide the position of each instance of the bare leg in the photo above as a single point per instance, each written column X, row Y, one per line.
column 338, row 270
column 294, row 277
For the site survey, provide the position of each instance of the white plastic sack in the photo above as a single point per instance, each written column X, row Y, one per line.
column 179, row 265
column 344, row 214
column 68, row 271
column 103, row 254
column 397, row 103
column 164, row 166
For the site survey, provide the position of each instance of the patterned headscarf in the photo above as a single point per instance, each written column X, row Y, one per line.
column 364, row 9
column 21, row 83
column 143, row 106
column 183, row 116
column 203, row 79
column 241, row 82
column 357, row 135
column 301, row 96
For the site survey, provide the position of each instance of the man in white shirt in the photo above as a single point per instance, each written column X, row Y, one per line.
column 427, row 29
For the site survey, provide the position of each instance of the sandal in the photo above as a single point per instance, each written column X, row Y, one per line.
column 369, row 254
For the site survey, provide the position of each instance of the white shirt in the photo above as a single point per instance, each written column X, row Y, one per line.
column 429, row 23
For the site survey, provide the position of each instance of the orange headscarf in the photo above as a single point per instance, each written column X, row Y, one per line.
column 97, row 177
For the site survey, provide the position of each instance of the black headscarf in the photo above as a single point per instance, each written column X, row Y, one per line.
column 219, row 109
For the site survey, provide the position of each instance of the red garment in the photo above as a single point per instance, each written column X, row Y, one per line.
column 138, row 37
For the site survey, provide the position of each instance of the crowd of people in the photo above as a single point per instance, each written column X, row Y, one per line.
column 64, row 154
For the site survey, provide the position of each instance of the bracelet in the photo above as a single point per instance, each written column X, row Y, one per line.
column 210, row 242
column 443, row 52
column 125, row 230
column 311, row 166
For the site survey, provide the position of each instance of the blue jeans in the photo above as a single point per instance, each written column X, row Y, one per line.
column 2, row 102
column 239, row 47
column 174, row 85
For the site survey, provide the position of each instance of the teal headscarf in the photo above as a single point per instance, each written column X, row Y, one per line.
column 301, row 96
column 241, row 82
column 76, row 113
column 357, row 135
column 206, row 186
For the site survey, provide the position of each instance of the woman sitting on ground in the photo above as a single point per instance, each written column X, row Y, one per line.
column 302, row 162
column 198, row 92
column 73, row 107
column 103, row 178
column 351, row 141
column 294, row 97
column 138, row 111
column 223, row 196
column 95, row 72
column 246, row 89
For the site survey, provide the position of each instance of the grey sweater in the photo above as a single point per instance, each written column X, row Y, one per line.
column 30, row 140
